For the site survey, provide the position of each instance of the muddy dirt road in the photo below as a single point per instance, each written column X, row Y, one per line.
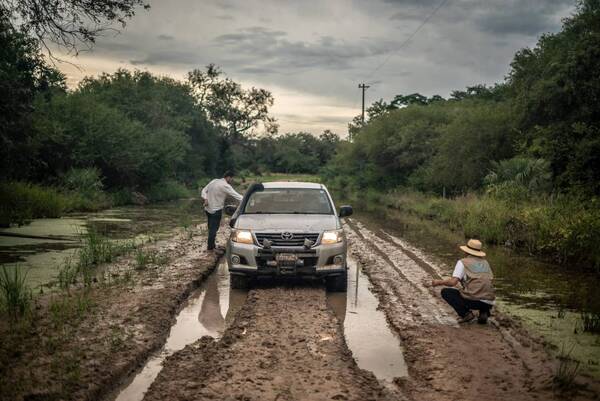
column 174, row 331
column 288, row 343
column 285, row 344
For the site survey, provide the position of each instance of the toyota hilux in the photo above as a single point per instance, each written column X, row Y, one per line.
column 287, row 229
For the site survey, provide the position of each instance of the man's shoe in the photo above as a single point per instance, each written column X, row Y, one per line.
column 466, row 318
column 483, row 317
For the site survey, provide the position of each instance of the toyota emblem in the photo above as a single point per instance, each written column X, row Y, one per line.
column 287, row 236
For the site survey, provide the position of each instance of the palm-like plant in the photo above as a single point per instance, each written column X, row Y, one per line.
column 534, row 175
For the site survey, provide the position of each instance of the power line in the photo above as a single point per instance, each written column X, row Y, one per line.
column 412, row 35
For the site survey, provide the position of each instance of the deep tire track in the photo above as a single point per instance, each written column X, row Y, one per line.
column 285, row 344
column 445, row 361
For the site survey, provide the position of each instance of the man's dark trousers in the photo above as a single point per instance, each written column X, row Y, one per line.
column 461, row 305
column 214, row 221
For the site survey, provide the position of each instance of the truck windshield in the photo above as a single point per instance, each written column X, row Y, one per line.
column 289, row 201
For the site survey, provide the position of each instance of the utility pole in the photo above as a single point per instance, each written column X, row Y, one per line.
column 364, row 88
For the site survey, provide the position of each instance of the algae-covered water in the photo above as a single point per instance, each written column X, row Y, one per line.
column 43, row 246
column 548, row 299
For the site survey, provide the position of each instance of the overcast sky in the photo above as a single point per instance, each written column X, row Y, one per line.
column 311, row 54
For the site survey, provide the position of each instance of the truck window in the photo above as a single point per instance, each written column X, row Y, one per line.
column 289, row 201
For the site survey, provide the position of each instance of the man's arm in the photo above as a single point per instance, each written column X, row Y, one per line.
column 233, row 193
column 449, row 282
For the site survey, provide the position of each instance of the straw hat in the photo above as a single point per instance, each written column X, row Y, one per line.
column 473, row 247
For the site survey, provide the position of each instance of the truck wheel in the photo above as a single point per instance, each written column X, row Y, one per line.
column 239, row 282
column 337, row 283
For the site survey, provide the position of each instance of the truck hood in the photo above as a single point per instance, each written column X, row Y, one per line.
column 287, row 222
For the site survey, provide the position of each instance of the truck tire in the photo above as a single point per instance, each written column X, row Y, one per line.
column 239, row 282
column 337, row 283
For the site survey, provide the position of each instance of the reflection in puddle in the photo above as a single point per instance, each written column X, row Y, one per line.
column 206, row 313
column 373, row 345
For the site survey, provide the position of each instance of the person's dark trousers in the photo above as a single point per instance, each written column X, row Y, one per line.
column 214, row 221
column 461, row 305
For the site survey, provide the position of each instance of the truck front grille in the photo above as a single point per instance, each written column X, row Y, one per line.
column 284, row 239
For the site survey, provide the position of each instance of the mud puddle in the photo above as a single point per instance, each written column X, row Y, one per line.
column 373, row 344
column 43, row 246
column 207, row 312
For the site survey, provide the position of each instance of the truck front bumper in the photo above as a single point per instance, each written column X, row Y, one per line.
column 318, row 261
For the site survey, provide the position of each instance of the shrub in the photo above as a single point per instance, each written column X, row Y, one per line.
column 83, row 180
column 168, row 190
column 20, row 202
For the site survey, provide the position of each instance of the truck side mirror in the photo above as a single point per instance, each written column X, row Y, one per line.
column 346, row 211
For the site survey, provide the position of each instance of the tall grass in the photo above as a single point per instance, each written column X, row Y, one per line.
column 567, row 370
column 15, row 295
column 562, row 228
column 20, row 202
column 95, row 250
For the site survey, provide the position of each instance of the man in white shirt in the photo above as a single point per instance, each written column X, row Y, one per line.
column 477, row 292
column 214, row 195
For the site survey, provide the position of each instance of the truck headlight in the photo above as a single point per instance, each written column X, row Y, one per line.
column 332, row 237
column 242, row 236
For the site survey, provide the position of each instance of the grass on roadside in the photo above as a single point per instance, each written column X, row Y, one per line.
column 567, row 371
column 561, row 228
column 14, row 292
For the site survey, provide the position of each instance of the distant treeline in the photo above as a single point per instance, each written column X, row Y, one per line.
column 136, row 130
column 539, row 130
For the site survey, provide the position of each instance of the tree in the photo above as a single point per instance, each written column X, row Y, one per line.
column 405, row 100
column 68, row 23
column 482, row 92
column 23, row 75
column 556, row 90
column 238, row 111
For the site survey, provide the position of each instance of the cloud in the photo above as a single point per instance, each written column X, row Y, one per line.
column 166, row 56
column 520, row 17
column 165, row 37
column 312, row 54
column 275, row 49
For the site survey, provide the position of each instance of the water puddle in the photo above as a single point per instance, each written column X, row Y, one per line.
column 207, row 312
column 374, row 346
column 43, row 246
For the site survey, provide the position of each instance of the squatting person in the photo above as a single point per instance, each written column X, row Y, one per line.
column 214, row 195
column 477, row 292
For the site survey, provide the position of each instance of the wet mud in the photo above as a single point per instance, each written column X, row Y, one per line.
column 82, row 344
column 445, row 361
column 205, row 313
column 285, row 344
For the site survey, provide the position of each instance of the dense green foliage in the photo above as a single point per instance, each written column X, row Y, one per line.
column 129, row 132
column 547, row 110
column 520, row 160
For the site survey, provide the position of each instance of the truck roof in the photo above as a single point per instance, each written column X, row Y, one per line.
column 292, row 184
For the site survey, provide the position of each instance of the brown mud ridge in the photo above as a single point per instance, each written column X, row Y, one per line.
column 84, row 347
column 447, row 362
column 285, row 344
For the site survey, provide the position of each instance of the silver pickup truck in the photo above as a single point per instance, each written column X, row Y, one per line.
column 288, row 229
